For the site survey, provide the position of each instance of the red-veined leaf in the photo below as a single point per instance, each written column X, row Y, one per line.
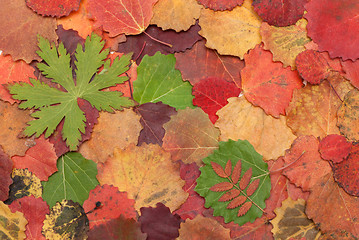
column 220, row 187
column 245, row 179
column 253, row 187
column 238, row 201
column 230, row 195
column 244, row 209
column 219, row 170
column 237, row 172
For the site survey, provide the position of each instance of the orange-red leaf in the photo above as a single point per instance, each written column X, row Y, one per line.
column 237, row 172
column 245, row 179
column 220, row 187
column 228, row 168
column 219, row 170
column 253, row 187
column 244, row 209
column 237, row 202
column 229, row 195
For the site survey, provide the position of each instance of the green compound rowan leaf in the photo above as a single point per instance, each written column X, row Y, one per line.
column 54, row 105
column 234, row 204
column 75, row 178
column 158, row 80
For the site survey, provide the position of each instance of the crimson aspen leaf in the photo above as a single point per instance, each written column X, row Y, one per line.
column 266, row 83
column 51, row 110
column 75, row 178
column 113, row 204
column 221, row 5
column 116, row 17
column 236, row 210
column 280, row 13
column 200, row 62
column 40, row 159
column 142, row 44
column 346, row 172
column 211, row 94
column 331, row 22
column 159, row 223
column 334, row 148
column 153, row 116
column 54, row 8
column 158, row 80
column 34, row 210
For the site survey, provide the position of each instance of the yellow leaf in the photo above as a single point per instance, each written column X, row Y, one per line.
column 239, row 119
column 116, row 130
column 147, row 174
column 12, row 225
column 178, row 15
column 231, row 32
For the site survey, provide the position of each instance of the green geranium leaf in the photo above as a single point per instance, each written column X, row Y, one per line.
column 235, row 182
column 75, row 178
column 54, row 105
column 158, row 80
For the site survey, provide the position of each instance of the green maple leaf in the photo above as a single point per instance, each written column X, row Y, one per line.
column 54, row 105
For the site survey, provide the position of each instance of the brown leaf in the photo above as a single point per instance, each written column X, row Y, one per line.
column 252, row 187
column 228, row 168
column 245, row 179
column 237, row 171
column 229, row 195
column 218, row 170
column 220, row 187
column 236, row 202
column 244, row 209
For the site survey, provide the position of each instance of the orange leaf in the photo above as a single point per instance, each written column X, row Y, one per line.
column 237, row 172
column 220, row 187
column 229, row 195
column 244, row 209
column 228, row 168
column 253, row 187
column 245, row 179
column 219, row 170
column 237, row 202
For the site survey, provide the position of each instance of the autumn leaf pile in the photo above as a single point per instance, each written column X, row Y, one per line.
column 179, row 119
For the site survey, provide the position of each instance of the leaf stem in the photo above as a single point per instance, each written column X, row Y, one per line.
column 157, row 40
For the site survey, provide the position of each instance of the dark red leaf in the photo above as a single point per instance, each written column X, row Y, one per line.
column 220, row 187
column 246, row 178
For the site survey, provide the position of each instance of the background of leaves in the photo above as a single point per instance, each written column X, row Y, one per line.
column 261, row 71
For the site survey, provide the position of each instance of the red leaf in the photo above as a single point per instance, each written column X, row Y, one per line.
column 259, row 229
column 237, row 171
column 331, row 22
column 5, row 173
column 266, row 83
column 34, row 210
column 244, row 209
column 211, row 94
column 280, row 13
column 228, row 168
column 40, row 159
column 312, row 66
column 159, row 223
column 229, row 195
column 153, row 116
column 220, row 187
column 54, row 8
column 236, row 202
column 352, row 71
column 346, row 172
column 246, row 178
column 218, row 170
column 221, row 5
column 252, row 187
column 142, row 45
column 113, row 204
column 11, row 72
column 201, row 62
column 116, row 17
column 334, row 147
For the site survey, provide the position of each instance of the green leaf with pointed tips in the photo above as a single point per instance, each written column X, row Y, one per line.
column 54, row 105
column 75, row 178
column 234, row 151
column 158, row 80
